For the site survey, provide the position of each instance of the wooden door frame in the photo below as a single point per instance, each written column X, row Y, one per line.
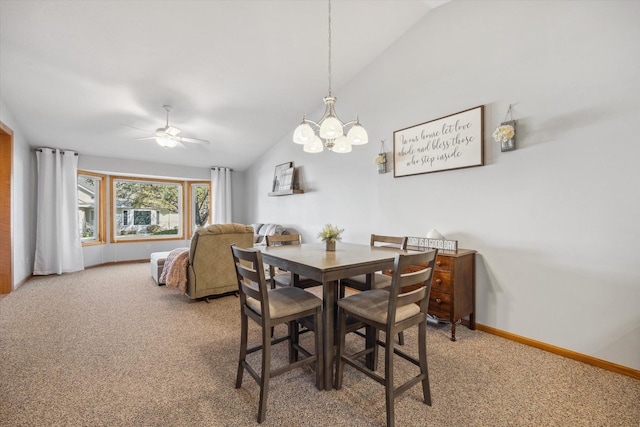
column 6, row 232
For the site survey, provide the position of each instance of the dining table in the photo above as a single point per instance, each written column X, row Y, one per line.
column 314, row 261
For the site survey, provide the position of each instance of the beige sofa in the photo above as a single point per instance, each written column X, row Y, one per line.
column 211, row 270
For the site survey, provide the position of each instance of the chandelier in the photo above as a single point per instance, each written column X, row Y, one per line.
column 329, row 128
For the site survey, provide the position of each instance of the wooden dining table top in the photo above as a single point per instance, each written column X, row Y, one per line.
column 314, row 261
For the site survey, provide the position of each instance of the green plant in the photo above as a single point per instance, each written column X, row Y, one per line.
column 330, row 233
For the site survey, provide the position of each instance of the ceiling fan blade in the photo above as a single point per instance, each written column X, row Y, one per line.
column 194, row 140
column 133, row 127
column 144, row 137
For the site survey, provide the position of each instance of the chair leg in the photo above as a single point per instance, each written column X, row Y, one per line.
column 319, row 350
column 265, row 374
column 294, row 337
column 401, row 338
column 422, row 354
column 388, row 374
column 342, row 321
column 371, row 341
column 243, row 348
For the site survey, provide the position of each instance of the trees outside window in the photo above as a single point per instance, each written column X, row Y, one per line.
column 144, row 209
column 199, row 205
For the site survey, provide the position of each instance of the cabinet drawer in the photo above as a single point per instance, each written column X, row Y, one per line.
column 441, row 282
column 440, row 302
column 444, row 263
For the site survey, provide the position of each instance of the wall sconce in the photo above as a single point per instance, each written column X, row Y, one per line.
column 505, row 134
column 381, row 159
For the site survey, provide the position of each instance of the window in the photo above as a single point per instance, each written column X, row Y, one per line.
column 91, row 208
column 199, row 205
column 145, row 209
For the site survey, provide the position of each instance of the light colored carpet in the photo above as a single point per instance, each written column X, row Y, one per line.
column 107, row 347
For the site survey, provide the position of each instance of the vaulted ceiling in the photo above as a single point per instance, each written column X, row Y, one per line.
column 82, row 75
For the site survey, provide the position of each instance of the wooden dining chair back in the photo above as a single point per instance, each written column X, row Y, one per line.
column 284, row 239
column 285, row 278
column 398, row 242
column 268, row 308
column 391, row 311
column 378, row 280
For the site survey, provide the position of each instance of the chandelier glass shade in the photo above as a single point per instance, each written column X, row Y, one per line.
column 329, row 128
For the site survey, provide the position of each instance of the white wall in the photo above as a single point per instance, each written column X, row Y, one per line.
column 554, row 222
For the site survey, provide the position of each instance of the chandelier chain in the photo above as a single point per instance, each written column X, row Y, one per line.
column 329, row 47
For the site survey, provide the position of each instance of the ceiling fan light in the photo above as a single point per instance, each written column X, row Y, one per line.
column 357, row 135
column 166, row 141
column 342, row 145
column 314, row 146
column 331, row 128
column 303, row 134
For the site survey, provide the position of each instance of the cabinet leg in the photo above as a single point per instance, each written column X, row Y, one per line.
column 453, row 331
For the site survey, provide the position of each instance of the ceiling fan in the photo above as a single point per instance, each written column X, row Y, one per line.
column 169, row 136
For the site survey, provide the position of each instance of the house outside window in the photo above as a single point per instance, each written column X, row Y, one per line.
column 145, row 209
column 91, row 208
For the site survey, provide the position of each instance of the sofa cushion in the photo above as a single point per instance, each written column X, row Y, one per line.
column 256, row 230
column 267, row 230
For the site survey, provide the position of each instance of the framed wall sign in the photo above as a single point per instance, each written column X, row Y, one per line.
column 451, row 142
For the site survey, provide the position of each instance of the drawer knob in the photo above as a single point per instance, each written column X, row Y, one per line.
column 438, row 300
column 438, row 262
column 439, row 281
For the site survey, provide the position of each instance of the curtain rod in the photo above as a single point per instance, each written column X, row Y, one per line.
column 54, row 150
column 221, row 167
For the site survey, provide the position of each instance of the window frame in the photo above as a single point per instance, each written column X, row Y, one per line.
column 112, row 207
column 191, row 186
column 101, row 213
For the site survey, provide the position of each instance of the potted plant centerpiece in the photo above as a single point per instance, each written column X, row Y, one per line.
column 330, row 234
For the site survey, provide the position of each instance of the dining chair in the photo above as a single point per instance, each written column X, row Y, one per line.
column 377, row 280
column 391, row 311
column 268, row 308
column 287, row 278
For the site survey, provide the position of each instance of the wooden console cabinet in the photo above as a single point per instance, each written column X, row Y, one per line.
column 453, row 288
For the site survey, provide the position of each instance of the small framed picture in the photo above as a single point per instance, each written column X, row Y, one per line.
column 279, row 175
column 286, row 179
